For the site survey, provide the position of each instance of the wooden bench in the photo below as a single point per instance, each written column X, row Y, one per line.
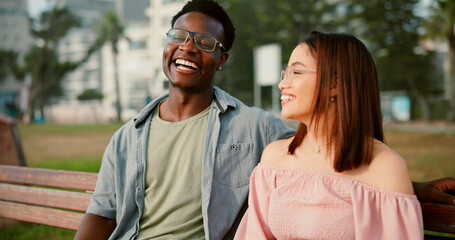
column 51, row 197
column 23, row 198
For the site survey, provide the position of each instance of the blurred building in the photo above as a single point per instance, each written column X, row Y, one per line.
column 160, row 14
column 134, row 73
column 133, row 62
column 98, row 72
column 73, row 47
column 14, row 35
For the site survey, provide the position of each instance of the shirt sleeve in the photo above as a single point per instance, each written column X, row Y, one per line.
column 102, row 201
column 386, row 215
column 277, row 129
column 254, row 224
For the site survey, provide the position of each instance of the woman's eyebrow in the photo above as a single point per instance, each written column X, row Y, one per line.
column 297, row 63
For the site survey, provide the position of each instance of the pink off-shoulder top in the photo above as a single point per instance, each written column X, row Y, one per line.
column 301, row 204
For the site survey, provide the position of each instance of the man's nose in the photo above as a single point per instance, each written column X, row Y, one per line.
column 189, row 44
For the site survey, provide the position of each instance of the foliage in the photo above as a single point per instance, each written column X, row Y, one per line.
column 9, row 59
column 53, row 25
column 389, row 28
column 42, row 61
column 261, row 22
column 90, row 94
column 111, row 30
column 440, row 25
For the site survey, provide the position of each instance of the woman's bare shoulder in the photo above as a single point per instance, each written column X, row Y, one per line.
column 276, row 152
column 387, row 170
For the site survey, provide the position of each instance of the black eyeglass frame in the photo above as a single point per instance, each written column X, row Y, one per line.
column 195, row 34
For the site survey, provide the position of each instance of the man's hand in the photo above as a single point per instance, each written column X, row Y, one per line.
column 436, row 191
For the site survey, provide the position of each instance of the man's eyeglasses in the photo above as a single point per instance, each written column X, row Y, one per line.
column 203, row 41
column 287, row 75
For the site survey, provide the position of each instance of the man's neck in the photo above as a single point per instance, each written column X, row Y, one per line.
column 181, row 105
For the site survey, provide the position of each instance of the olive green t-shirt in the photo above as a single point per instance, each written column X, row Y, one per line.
column 172, row 205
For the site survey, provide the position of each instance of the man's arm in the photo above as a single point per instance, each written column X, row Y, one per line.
column 438, row 191
column 95, row 227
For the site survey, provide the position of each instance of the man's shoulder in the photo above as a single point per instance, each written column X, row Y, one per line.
column 126, row 131
column 235, row 104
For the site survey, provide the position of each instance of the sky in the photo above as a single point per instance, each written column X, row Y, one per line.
column 35, row 7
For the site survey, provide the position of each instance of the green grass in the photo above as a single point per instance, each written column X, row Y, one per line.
column 84, row 165
column 448, row 235
column 27, row 231
column 51, row 129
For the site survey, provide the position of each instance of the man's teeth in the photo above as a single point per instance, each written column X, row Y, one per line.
column 186, row 63
column 287, row 97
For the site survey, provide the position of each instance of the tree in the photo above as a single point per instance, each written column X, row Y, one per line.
column 441, row 24
column 9, row 59
column 92, row 96
column 42, row 61
column 5, row 61
column 390, row 29
column 111, row 30
column 261, row 22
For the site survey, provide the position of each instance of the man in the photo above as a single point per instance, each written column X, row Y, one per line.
column 181, row 169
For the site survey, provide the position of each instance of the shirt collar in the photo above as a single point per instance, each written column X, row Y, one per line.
column 222, row 101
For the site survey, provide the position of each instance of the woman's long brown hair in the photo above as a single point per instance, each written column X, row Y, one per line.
column 344, row 62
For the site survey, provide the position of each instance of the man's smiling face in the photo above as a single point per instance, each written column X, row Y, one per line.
column 185, row 65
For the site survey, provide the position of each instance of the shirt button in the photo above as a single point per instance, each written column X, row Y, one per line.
column 233, row 147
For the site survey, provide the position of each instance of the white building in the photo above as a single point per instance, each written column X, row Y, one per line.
column 14, row 35
column 134, row 71
column 160, row 13
column 98, row 72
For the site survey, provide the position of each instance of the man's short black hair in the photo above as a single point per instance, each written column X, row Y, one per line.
column 213, row 9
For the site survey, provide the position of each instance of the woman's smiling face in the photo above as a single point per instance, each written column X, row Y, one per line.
column 297, row 97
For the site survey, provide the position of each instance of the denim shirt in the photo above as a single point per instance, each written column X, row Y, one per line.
column 234, row 140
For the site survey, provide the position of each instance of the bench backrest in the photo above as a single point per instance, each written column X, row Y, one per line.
column 438, row 218
column 23, row 198
column 51, row 197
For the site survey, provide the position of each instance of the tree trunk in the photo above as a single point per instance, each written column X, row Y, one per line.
column 117, row 83
column 423, row 102
column 451, row 39
column 424, row 107
column 32, row 112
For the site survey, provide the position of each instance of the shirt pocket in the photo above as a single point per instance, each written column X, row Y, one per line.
column 235, row 163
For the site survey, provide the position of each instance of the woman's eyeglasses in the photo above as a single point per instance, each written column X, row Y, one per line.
column 287, row 75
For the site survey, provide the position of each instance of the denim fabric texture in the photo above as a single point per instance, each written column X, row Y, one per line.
column 235, row 137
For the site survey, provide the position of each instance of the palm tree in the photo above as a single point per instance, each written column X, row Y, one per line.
column 42, row 62
column 111, row 30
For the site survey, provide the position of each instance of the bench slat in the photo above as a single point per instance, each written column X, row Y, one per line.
column 44, row 196
column 48, row 177
column 438, row 217
column 41, row 215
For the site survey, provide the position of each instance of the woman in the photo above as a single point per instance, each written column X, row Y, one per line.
column 335, row 179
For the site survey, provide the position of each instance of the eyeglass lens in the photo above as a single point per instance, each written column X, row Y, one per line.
column 202, row 41
column 286, row 76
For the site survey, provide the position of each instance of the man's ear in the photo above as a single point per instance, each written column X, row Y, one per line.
column 223, row 58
